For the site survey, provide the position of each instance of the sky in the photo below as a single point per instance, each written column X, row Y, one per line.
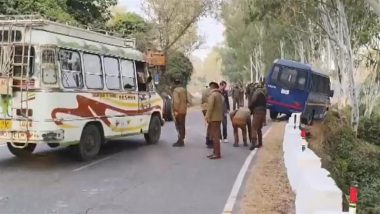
column 210, row 28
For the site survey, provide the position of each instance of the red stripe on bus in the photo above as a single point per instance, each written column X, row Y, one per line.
column 284, row 105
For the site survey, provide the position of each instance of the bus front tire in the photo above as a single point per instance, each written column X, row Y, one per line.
column 22, row 152
column 89, row 144
column 154, row 132
column 273, row 115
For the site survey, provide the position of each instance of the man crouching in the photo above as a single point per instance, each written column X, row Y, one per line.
column 241, row 119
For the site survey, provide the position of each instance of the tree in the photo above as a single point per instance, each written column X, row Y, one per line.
column 132, row 25
column 83, row 12
column 93, row 13
column 179, row 66
column 175, row 21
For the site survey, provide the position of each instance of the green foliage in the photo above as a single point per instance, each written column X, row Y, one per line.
column 179, row 66
column 84, row 12
column 132, row 25
column 369, row 129
column 353, row 160
column 90, row 12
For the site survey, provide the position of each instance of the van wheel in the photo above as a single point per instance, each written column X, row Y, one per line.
column 22, row 152
column 273, row 115
column 154, row 132
column 90, row 142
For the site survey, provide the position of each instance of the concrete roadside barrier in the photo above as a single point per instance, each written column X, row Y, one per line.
column 316, row 192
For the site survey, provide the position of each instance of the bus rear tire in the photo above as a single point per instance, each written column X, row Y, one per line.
column 154, row 132
column 89, row 144
column 22, row 152
column 273, row 114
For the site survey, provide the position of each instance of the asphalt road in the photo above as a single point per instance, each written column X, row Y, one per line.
column 127, row 177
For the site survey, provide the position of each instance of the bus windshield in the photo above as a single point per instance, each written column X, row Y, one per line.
column 289, row 78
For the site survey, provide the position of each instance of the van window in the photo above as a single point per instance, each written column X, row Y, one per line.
column 111, row 67
column 320, row 84
column 128, row 74
column 276, row 71
column 71, row 69
column 291, row 78
column 93, row 71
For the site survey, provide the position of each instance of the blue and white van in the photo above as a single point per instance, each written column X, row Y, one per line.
column 297, row 87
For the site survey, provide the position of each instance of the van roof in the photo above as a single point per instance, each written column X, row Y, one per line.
column 293, row 64
column 299, row 65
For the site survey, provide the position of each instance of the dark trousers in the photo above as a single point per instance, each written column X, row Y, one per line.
column 257, row 124
column 180, row 121
column 224, row 127
column 208, row 139
column 214, row 130
column 235, row 103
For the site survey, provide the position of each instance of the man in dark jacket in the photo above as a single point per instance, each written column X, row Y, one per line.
column 258, row 109
column 224, row 92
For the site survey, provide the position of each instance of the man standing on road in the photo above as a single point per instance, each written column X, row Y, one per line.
column 224, row 92
column 258, row 109
column 241, row 119
column 214, row 117
column 180, row 102
column 205, row 94
column 235, row 97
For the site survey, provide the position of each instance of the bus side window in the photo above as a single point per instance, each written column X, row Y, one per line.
column 276, row 71
column 93, row 71
column 48, row 67
column 128, row 75
column 111, row 67
column 71, row 69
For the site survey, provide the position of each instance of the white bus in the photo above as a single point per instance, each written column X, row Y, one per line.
column 66, row 86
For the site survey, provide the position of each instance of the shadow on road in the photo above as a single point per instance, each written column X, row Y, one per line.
column 49, row 158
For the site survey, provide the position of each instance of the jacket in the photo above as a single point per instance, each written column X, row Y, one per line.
column 204, row 99
column 242, row 114
column 259, row 101
column 226, row 101
column 180, row 100
column 215, row 106
column 235, row 93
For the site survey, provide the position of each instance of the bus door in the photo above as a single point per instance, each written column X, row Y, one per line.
column 144, row 95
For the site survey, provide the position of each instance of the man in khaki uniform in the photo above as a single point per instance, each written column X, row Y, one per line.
column 180, row 102
column 214, row 117
column 258, row 109
column 241, row 119
column 205, row 94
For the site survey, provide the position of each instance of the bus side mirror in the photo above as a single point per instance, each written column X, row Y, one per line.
column 331, row 93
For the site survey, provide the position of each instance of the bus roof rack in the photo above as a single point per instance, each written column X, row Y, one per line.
column 39, row 22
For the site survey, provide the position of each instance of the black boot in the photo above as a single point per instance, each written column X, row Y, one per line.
column 253, row 145
column 179, row 143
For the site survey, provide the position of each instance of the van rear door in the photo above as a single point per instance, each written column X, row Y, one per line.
column 288, row 92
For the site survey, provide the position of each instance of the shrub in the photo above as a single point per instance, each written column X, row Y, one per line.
column 352, row 159
column 369, row 130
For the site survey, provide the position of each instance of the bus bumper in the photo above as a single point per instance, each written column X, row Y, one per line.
column 31, row 136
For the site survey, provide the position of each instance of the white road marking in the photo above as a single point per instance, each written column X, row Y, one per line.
column 229, row 206
column 3, row 144
column 91, row 164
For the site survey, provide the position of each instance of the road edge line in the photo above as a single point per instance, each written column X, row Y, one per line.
column 229, row 206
